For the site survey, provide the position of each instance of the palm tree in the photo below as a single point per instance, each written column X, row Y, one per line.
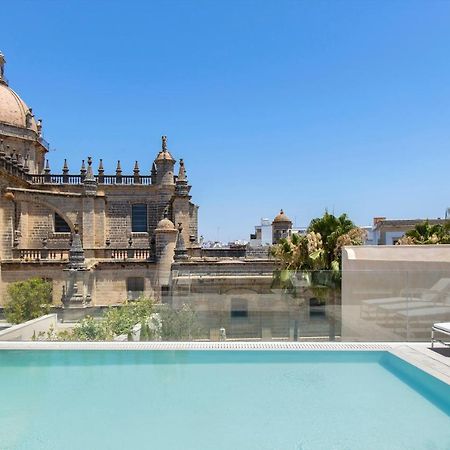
column 331, row 228
column 425, row 233
column 317, row 257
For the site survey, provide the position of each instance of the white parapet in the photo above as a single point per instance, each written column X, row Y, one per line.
column 27, row 330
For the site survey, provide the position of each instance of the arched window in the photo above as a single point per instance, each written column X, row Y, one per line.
column 239, row 308
column 61, row 225
column 135, row 287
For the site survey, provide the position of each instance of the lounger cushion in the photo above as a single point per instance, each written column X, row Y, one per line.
column 383, row 301
column 444, row 327
column 425, row 312
column 406, row 305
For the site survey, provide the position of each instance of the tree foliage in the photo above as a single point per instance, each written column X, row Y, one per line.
column 424, row 233
column 178, row 325
column 157, row 322
column 122, row 319
column 314, row 260
column 28, row 300
column 317, row 254
column 321, row 247
column 87, row 329
column 116, row 320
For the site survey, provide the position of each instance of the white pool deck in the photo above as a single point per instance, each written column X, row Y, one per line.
column 417, row 354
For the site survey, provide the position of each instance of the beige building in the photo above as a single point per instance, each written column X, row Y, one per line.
column 99, row 237
column 102, row 238
column 281, row 227
column 389, row 231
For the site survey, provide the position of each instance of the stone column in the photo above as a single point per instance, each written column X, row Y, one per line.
column 6, row 224
column 76, row 290
column 100, row 222
column 166, row 236
column 90, row 192
column 24, row 238
column 180, row 208
column 180, row 204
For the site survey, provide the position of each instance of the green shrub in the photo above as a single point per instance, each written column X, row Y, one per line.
column 28, row 300
column 89, row 329
column 115, row 321
column 122, row 319
column 178, row 325
column 157, row 322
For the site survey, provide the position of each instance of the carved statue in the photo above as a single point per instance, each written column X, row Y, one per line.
column 2, row 66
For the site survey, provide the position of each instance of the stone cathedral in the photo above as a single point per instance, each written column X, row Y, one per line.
column 100, row 238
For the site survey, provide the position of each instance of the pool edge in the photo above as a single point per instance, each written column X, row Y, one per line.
column 416, row 354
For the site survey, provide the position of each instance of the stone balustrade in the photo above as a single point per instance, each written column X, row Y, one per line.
column 41, row 254
column 100, row 179
column 17, row 169
column 62, row 255
column 139, row 254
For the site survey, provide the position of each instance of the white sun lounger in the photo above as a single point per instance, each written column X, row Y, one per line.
column 424, row 313
column 406, row 304
column 408, row 301
column 443, row 328
column 387, row 300
column 417, row 322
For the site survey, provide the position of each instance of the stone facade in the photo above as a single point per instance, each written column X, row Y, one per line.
column 105, row 238
column 124, row 223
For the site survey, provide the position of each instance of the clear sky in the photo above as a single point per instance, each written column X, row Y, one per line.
column 301, row 105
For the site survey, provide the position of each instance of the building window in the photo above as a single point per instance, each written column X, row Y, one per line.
column 239, row 308
column 139, row 218
column 135, row 287
column 61, row 225
column 165, row 291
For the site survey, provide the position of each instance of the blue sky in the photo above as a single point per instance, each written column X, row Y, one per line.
column 300, row 105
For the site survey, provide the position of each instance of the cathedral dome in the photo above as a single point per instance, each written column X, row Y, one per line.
column 165, row 224
column 282, row 217
column 13, row 110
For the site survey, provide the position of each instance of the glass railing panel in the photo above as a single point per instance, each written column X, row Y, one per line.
column 393, row 306
column 353, row 306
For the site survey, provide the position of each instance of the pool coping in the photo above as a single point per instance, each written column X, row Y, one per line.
column 417, row 354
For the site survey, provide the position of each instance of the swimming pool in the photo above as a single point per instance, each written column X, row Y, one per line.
column 277, row 400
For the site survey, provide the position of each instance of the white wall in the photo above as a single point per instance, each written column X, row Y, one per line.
column 25, row 331
column 401, row 274
column 266, row 232
column 392, row 236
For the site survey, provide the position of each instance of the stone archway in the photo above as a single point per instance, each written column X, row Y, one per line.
column 36, row 216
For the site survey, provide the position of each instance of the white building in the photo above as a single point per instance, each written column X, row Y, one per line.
column 262, row 235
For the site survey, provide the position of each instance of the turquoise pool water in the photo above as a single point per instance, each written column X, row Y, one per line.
column 214, row 400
